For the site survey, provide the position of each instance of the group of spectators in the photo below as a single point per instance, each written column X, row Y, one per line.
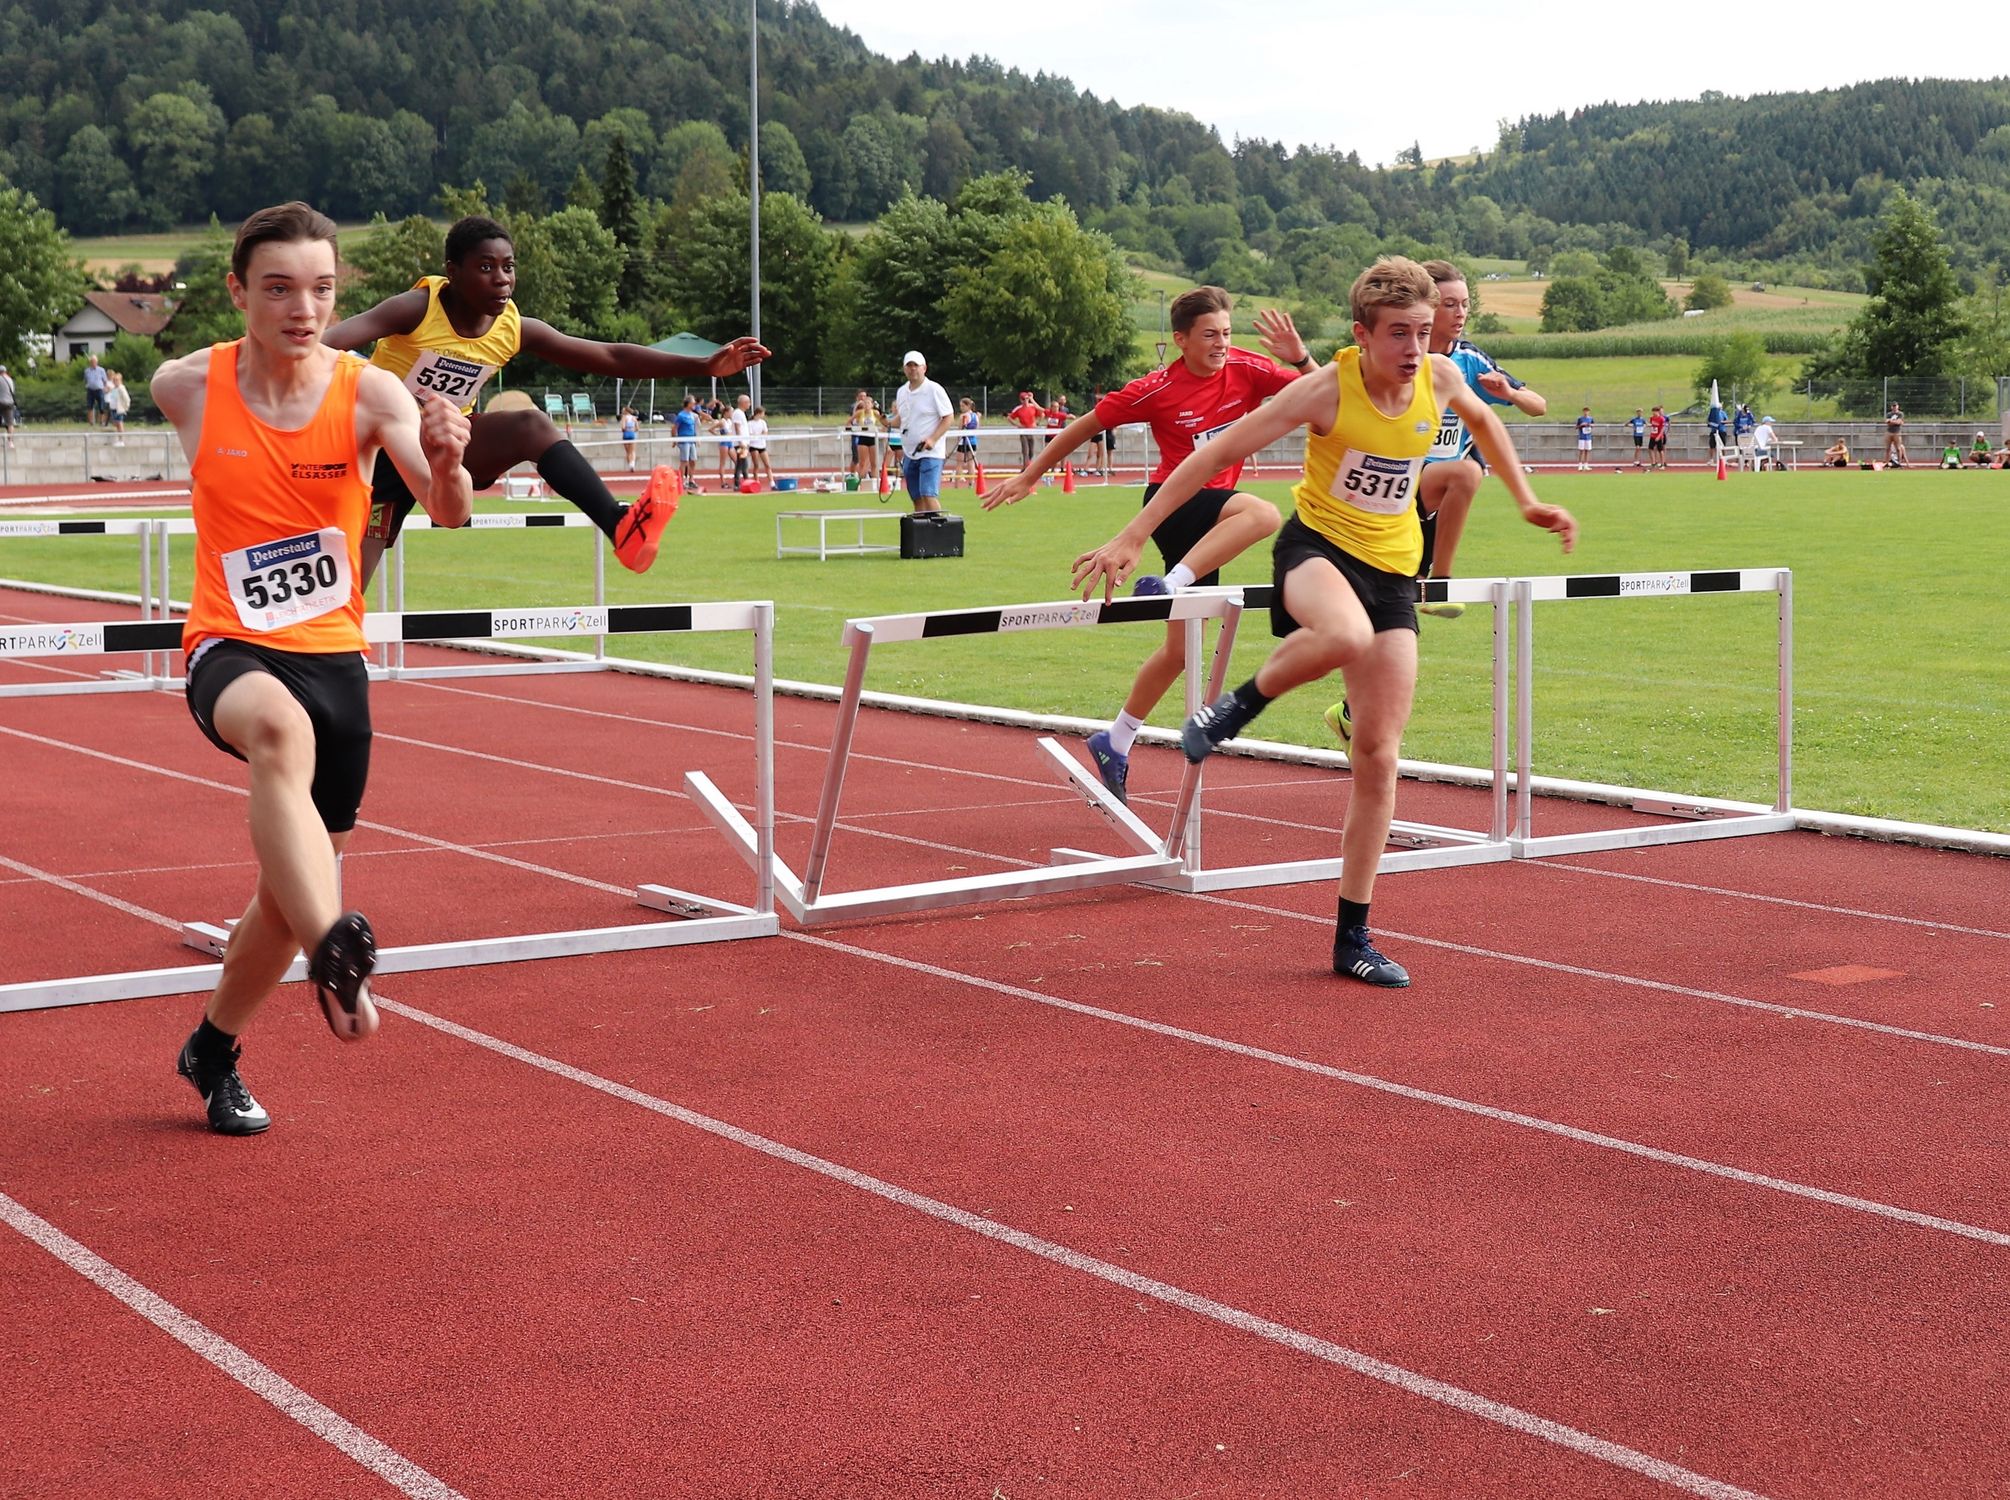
column 106, row 400
column 739, row 429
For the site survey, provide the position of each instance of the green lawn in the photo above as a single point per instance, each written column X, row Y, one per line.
column 1902, row 686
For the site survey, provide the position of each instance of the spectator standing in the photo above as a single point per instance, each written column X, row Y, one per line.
column 1657, row 439
column 1027, row 415
column 1894, row 437
column 864, row 429
column 628, row 437
column 1742, row 424
column 684, row 427
column 118, row 401
column 736, row 429
column 1639, row 426
column 966, row 442
column 96, row 409
column 757, row 448
column 1584, row 428
column 8, row 407
column 1720, row 430
column 923, row 414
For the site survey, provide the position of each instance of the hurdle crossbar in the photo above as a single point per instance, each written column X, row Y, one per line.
column 708, row 918
column 1698, row 818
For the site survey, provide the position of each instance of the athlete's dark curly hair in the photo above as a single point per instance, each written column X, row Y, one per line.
column 472, row 231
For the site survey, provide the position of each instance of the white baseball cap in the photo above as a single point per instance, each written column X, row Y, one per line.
column 914, row 357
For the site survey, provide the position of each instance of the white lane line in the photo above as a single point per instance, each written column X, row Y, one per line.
column 62, row 882
column 1559, row 868
column 1426, row 1096
column 1164, row 800
column 1660, row 986
column 1410, row 1382
column 483, row 852
column 254, row 1375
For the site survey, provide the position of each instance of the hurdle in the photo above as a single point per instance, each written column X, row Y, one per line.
column 804, row 896
column 1695, row 818
column 390, row 664
column 705, row 919
column 1413, row 845
column 153, row 673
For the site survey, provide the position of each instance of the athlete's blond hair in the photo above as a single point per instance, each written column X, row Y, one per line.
column 1394, row 281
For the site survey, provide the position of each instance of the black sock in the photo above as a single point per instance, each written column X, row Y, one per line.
column 210, row 1044
column 566, row 470
column 1252, row 698
column 1353, row 914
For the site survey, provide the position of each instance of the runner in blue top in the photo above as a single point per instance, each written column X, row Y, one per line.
column 1639, row 426
column 1743, row 423
column 1720, row 427
column 1453, row 471
column 685, row 426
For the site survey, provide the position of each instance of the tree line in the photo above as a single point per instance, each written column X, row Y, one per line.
column 121, row 115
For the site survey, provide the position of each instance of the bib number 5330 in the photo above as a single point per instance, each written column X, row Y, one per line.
column 284, row 582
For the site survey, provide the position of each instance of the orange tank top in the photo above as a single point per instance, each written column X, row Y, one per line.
column 279, row 520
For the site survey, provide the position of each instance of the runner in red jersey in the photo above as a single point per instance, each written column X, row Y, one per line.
column 1210, row 386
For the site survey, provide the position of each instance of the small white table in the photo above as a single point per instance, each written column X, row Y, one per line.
column 1789, row 452
column 858, row 546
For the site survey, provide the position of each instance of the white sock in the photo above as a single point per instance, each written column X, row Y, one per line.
column 1179, row 576
column 1124, row 733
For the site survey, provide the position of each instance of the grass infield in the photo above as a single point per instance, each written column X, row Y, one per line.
column 1902, row 685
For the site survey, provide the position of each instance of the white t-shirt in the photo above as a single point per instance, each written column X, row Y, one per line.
column 736, row 425
column 1763, row 437
column 757, row 432
column 919, row 411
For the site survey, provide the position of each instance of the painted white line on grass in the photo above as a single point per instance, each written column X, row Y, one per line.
column 1427, row 1096
column 254, row 1375
column 1466, row 1402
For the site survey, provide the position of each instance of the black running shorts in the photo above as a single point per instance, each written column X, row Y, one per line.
column 334, row 688
column 1389, row 598
column 1179, row 532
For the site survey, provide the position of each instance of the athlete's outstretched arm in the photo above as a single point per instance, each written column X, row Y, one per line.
column 1491, row 436
column 1011, row 491
column 1279, row 336
column 425, row 440
column 633, row 361
column 399, row 314
column 1311, row 400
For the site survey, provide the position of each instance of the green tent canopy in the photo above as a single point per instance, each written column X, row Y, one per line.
column 688, row 344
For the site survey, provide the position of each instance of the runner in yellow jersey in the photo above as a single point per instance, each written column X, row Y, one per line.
column 1345, row 565
column 449, row 334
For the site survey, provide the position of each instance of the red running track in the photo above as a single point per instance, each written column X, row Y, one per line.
column 1678, row 1169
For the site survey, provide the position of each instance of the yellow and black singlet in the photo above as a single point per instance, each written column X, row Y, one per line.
column 433, row 357
column 1360, row 484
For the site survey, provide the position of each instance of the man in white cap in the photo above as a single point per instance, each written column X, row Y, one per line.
column 923, row 414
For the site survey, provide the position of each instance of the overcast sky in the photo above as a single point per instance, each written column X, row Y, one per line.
column 1293, row 70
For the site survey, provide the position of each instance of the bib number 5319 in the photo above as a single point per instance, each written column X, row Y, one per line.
column 1370, row 482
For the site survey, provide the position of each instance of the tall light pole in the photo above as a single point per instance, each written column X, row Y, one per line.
column 754, row 175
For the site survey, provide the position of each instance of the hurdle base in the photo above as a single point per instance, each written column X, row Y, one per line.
column 1128, row 825
column 688, row 904
column 1652, row 835
column 208, row 937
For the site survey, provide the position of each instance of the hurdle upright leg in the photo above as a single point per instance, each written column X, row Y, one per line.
column 1188, row 802
column 841, row 737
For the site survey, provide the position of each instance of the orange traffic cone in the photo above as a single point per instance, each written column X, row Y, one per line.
column 1067, row 479
column 982, row 488
column 885, row 483
column 1720, row 463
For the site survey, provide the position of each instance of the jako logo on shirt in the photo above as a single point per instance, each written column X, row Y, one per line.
column 320, row 471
